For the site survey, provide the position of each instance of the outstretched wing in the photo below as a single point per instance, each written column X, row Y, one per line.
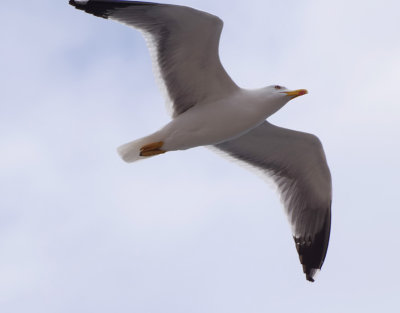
column 184, row 44
column 297, row 163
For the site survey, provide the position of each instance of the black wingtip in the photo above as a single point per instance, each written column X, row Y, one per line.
column 76, row 4
column 312, row 250
column 104, row 8
column 80, row 5
column 310, row 273
column 309, row 278
column 97, row 8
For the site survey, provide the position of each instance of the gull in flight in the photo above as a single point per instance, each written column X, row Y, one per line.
column 209, row 109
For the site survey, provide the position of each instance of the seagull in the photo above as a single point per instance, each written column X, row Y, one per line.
column 209, row 109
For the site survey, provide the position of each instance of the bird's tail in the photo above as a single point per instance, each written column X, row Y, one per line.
column 132, row 151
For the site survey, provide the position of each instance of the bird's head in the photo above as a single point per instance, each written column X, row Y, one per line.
column 282, row 94
column 275, row 97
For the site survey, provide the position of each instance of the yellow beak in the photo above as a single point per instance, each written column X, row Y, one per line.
column 296, row 93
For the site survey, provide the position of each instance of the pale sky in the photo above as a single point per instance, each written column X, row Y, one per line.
column 81, row 231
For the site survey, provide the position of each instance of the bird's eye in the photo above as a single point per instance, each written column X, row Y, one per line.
column 277, row 87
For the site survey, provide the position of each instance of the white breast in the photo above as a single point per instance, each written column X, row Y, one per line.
column 212, row 123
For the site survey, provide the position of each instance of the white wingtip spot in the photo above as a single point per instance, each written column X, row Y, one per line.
column 313, row 274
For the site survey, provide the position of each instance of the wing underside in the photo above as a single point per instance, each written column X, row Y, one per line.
column 297, row 164
column 184, row 45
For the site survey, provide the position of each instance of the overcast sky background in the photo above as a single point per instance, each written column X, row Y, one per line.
column 81, row 231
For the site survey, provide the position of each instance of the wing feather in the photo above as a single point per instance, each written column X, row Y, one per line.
column 185, row 43
column 296, row 162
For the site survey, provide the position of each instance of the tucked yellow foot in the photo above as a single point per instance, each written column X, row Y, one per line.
column 152, row 149
column 152, row 146
column 151, row 153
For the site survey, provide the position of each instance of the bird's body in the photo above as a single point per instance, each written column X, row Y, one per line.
column 211, row 123
column 208, row 108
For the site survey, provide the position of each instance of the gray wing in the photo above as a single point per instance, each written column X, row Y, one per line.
column 297, row 163
column 184, row 45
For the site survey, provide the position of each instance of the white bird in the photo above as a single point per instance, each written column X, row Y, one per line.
column 208, row 108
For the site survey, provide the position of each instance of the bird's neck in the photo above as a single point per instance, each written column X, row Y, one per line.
column 265, row 103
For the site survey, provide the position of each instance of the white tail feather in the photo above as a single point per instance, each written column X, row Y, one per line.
column 130, row 152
